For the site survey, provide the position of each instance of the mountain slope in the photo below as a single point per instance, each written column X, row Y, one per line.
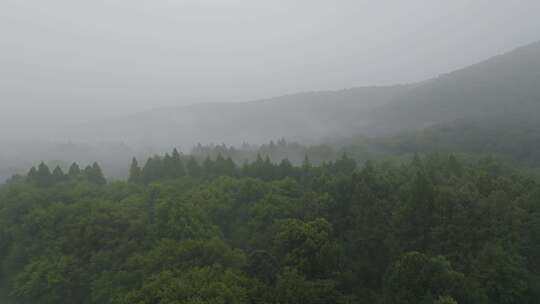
column 305, row 117
column 503, row 88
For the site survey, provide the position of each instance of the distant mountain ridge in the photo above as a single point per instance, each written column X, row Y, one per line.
column 304, row 117
column 505, row 87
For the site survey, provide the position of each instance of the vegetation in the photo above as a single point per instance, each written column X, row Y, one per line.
column 436, row 229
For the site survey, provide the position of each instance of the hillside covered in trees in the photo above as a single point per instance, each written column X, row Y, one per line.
column 270, row 152
column 480, row 109
column 503, row 89
column 435, row 229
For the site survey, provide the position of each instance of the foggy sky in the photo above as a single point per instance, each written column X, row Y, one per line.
column 63, row 61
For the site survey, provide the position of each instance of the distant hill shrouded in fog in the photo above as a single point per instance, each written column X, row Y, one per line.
column 504, row 87
column 304, row 117
column 484, row 106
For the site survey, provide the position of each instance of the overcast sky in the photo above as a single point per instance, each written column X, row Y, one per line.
column 68, row 59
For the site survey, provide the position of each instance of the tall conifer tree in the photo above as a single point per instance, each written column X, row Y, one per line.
column 134, row 172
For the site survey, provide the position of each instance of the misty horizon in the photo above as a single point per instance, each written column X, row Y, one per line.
column 66, row 64
column 278, row 152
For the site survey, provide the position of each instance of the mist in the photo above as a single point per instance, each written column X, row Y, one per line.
column 66, row 62
column 279, row 152
column 133, row 77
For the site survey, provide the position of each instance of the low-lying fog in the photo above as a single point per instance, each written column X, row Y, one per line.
column 102, row 80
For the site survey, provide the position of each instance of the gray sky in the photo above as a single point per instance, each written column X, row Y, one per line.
column 68, row 60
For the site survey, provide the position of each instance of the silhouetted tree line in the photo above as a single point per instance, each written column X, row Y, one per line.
column 175, row 165
column 43, row 177
column 275, row 150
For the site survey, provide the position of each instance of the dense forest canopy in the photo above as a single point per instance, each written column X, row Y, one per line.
column 269, row 152
column 437, row 205
column 433, row 229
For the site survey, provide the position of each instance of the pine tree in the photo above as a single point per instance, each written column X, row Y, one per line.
column 146, row 173
column 32, row 175
column 306, row 163
column 230, row 166
column 168, row 170
column 285, row 169
column 153, row 170
column 345, row 164
column 257, row 167
column 58, row 175
column 134, row 172
column 175, row 154
column 220, row 168
column 178, row 165
column 306, row 167
column 94, row 174
column 74, row 171
column 193, row 168
column 268, row 169
column 99, row 178
column 207, row 166
column 43, row 175
column 87, row 173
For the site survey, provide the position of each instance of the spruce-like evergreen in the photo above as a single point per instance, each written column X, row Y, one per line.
column 94, row 174
column 74, row 171
column 58, row 175
column 193, row 168
column 97, row 175
column 178, row 164
column 43, row 176
column 134, row 172
column 32, row 175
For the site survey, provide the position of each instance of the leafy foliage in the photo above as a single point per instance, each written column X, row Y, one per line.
column 433, row 230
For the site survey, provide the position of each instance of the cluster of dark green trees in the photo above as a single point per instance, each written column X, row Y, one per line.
column 516, row 143
column 167, row 167
column 42, row 176
column 275, row 150
column 434, row 230
column 176, row 165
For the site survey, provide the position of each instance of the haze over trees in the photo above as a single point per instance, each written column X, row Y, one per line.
column 501, row 89
column 144, row 161
column 490, row 107
column 434, row 229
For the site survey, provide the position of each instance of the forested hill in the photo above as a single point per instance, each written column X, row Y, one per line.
column 434, row 230
column 505, row 87
column 305, row 117
column 479, row 109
